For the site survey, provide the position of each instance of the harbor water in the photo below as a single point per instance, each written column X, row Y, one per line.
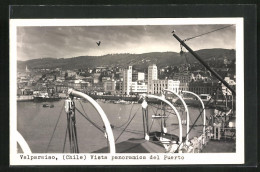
column 37, row 124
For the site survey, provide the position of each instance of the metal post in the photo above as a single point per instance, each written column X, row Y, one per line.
column 143, row 112
column 204, row 64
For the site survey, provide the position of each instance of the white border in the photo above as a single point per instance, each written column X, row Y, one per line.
column 202, row 158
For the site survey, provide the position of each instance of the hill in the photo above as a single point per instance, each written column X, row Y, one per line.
column 137, row 60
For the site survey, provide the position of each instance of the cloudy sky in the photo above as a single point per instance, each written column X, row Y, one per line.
column 73, row 41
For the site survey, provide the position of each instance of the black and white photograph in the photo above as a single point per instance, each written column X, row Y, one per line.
column 126, row 91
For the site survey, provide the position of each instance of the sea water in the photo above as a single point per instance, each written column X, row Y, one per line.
column 37, row 124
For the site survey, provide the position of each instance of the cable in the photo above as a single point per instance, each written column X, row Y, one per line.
column 153, row 120
column 68, row 127
column 83, row 109
column 98, row 127
column 127, row 124
column 54, row 129
column 64, row 143
column 76, row 138
column 187, row 39
column 127, row 119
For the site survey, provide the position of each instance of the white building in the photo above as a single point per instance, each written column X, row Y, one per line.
column 141, row 76
column 159, row 85
column 152, row 75
column 138, row 87
column 230, row 82
column 71, row 73
column 127, row 80
column 156, row 86
column 26, row 69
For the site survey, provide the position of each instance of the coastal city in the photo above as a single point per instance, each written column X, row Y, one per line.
column 102, row 95
column 35, row 84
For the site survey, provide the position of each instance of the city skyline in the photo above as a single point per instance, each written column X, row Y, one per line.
column 72, row 41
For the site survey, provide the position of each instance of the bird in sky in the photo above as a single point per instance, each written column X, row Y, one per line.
column 98, row 43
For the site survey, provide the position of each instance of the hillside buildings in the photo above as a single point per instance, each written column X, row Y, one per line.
column 123, row 81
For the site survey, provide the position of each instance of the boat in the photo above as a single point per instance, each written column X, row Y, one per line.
column 121, row 102
column 46, row 99
column 205, row 97
column 45, row 105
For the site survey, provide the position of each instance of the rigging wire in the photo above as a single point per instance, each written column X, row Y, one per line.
column 68, row 127
column 153, row 119
column 54, row 128
column 127, row 119
column 127, row 124
column 93, row 123
column 83, row 109
column 64, row 143
column 187, row 39
column 132, row 131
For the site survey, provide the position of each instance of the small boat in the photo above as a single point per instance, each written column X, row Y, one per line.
column 121, row 102
column 45, row 105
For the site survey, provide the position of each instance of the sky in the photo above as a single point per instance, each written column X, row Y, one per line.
column 35, row 42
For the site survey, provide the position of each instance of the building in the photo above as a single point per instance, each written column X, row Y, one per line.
column 200, row 87
column 100, row 69
column 110, row 87
column 138, row 87
column 184, row 86
column 156, row 86
column 138, row 76
column 134, row 75
column 27, row 70
column 61, row 88
column 230, row 82
column 184, row 77
column 89, row 79
column 96, row 78
column 141, row 76
column 159, row 85
column 105, row 78
column 78, row 84
column 70, row 73
column 127, row 80
column 119, row 87
column 152, row 75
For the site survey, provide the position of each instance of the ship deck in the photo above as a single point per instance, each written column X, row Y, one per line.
column 143, row 146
